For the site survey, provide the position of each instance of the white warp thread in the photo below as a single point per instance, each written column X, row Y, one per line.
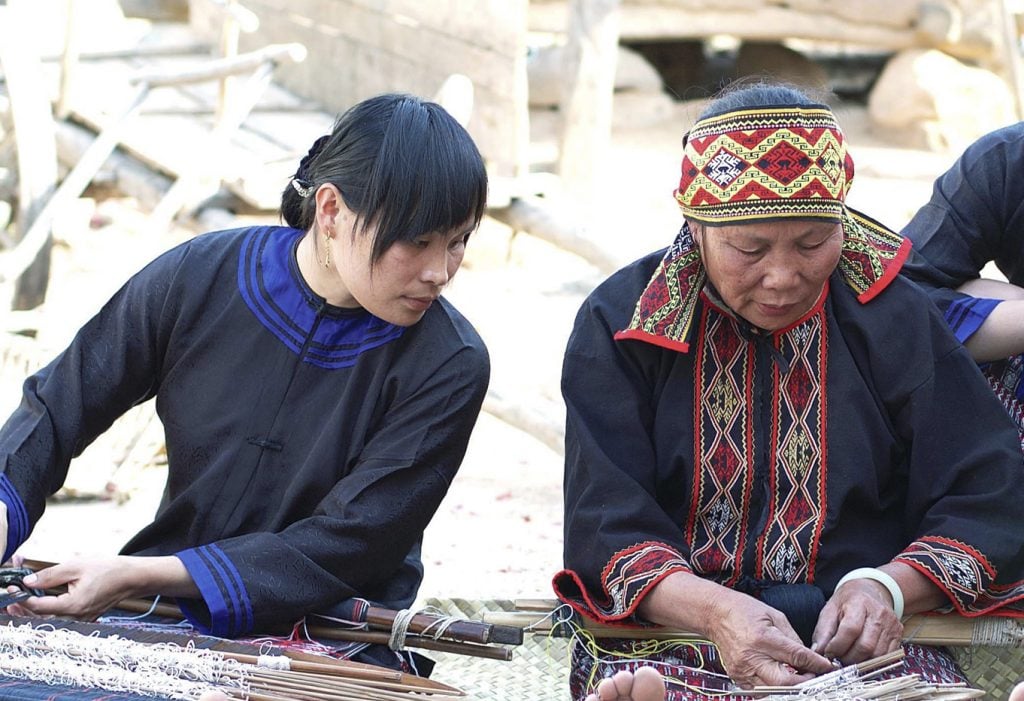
column 279, row 662
column 399, row 629
column 57, row 656
column 1006, row 632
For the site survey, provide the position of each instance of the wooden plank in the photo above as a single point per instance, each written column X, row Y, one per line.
column 763, row 23
column 365, row 47
column 175, row 122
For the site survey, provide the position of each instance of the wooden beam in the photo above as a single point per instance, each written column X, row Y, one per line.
column 591, row 53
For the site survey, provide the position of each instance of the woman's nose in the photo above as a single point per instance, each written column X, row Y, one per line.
column 780, row 274
column 436, row 269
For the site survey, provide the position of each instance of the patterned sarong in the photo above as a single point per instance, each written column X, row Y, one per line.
column 694, row 672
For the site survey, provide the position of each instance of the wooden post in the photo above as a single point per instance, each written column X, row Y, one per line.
column 591, row 54
column 68, row 61
column 235, row 19
column 36, row 146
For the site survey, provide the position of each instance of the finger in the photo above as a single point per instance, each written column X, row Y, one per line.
column 801, row 659
column 847, row 633
column 17, row 560
column 874, row 639
column 825, row 630
column 63, row 605
column 20, row 611
column 52, row 577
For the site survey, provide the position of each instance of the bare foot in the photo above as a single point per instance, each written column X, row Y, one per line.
column 1018, row 693
column 645, row 685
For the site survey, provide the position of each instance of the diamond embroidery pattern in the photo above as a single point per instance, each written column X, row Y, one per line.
column 831, row 163
column 724, row 168
column 798, row 451
column 784, row 163
column 723, row 402
column 787, row 563
column 961, row 570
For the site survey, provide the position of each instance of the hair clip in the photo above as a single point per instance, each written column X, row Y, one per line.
column 303, row 187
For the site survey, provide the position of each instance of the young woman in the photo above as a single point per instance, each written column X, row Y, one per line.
column 316, row 391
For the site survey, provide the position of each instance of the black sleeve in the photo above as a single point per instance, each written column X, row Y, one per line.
column 112, row 364
column 619, row 542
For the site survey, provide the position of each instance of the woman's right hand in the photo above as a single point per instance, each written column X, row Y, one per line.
column 757, row 645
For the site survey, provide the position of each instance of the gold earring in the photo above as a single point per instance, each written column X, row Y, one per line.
column 327, row 250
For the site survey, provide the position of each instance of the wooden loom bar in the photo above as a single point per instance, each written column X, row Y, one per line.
column 468, row 631
column 933, row 629
column 461, row 641
column 491, row 652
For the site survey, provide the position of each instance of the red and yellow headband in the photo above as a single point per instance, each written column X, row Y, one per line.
column 765, row 163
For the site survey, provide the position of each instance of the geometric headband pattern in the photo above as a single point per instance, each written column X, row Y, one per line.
column 765, row 163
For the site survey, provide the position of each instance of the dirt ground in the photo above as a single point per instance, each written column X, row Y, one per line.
column 498, row 534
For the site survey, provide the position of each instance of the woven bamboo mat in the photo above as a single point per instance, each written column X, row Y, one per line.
column 538, row 671
column 995, row 670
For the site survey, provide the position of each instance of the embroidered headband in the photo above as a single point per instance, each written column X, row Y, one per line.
column 765, row 163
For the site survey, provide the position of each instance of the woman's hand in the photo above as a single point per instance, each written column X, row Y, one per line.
column 94, row 586
column 858, row 623
column 756, row 643
column 759, row 647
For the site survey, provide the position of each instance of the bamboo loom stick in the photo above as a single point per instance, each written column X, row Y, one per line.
column 332, row 688
column 299, row 661
column 491, row 652
column 353, row 634
column 270, row 682
column 467, row 631
column 457, row 638
column 924, row 629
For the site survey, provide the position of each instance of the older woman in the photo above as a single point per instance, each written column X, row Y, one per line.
column 761, row 445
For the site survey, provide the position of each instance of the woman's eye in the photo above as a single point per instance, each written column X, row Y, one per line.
column 750, row 252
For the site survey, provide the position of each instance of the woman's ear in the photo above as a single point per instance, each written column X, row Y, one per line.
column 329, row 205
column 697, row 232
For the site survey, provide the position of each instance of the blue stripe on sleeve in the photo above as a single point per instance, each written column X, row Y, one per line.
column 235, row 587
column 223, row 592
column 209, row 589
column 17, row 518
column 966, row 315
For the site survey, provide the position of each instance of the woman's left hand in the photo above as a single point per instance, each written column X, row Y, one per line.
column 857, row 623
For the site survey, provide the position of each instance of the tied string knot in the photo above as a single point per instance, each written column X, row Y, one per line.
column 403, row 619
column 302, row 182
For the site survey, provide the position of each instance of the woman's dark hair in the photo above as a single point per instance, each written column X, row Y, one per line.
column 402, row 164
column 748, row 95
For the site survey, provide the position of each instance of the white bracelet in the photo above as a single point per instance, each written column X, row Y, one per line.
column 882, row 578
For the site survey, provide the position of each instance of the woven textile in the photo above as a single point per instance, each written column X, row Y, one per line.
column 765, row 163
column 538, row 671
